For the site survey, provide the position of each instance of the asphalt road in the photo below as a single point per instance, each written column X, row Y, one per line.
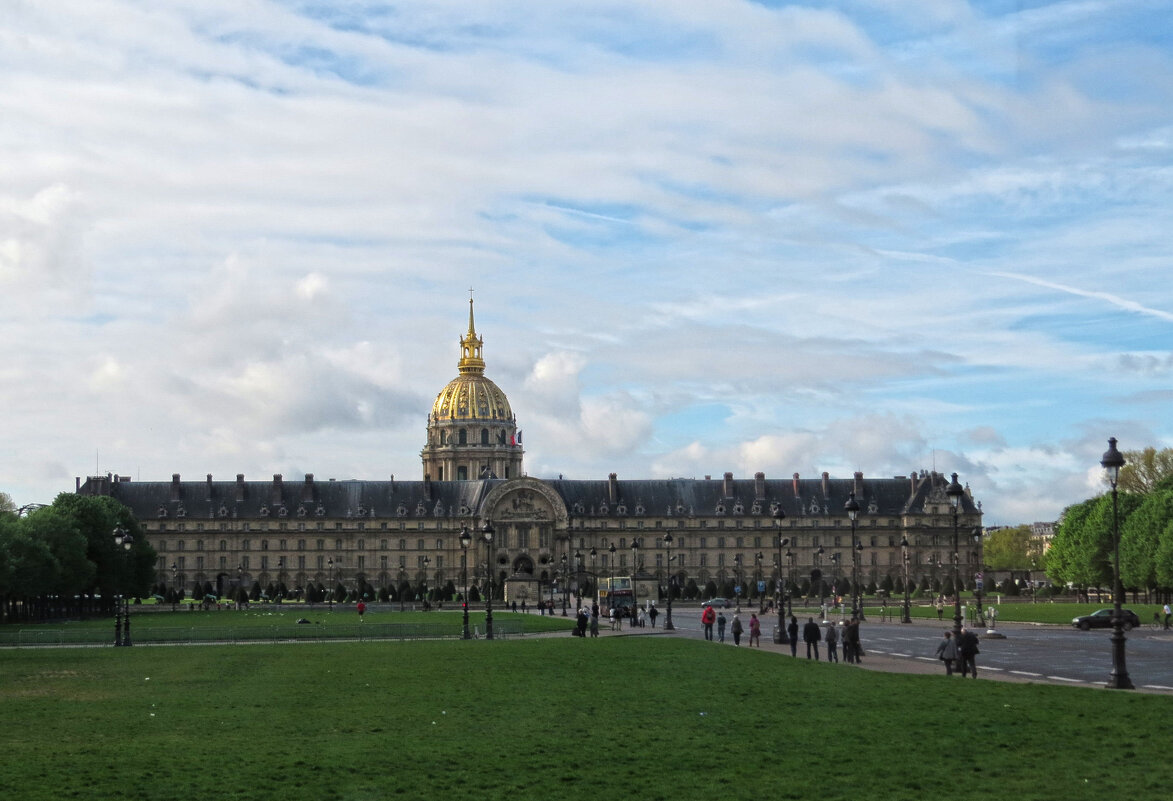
column 1039, row 653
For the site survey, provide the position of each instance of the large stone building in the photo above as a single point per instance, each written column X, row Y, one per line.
column 397, row 535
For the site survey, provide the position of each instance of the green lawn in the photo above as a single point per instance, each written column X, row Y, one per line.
column 552, row 718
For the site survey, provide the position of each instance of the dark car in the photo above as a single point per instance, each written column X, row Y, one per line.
column 718, row 603
column 1102, row 619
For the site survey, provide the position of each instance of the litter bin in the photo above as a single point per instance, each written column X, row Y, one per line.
column 777, row 636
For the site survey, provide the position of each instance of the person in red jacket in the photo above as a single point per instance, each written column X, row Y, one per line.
column 362, row 608
column 708, row 617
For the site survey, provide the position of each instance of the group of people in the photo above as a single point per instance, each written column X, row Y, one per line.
column 736, row 627
column 812, row 634
column 959, row 653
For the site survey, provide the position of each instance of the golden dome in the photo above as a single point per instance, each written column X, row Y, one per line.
column 471, row 396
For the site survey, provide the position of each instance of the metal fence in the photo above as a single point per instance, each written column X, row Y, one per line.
column 33, row 637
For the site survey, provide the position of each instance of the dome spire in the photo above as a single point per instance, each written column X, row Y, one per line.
column 471, row 361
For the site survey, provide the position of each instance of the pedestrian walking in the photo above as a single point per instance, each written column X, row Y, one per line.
column 832, row 643
column 721, row 626
column 642, row 618
column 611, row 616
column 708, row 618
column 652, row 615
column 594, row 621
column 755, row 630
column 735, row 627
column 940, row 607
column 967, row 651
column 1167, row 612
column 851, row 648
column 947, row 652
column 811, row 636
column 792, row 633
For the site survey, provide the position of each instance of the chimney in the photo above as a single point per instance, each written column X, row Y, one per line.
column 794, row 483
column 912, row 489
column 759, row 486
column 727, row 486
column 613, row 488
column 307, row 491
column 277, row 491
column 175, row 493
column 239, row 487
column 826, row 484
column 858, row 485
column 209, row 486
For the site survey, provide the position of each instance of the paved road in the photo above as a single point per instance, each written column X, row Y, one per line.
column 1048, row 654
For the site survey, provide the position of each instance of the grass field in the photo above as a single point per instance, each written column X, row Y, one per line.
column 551, row 718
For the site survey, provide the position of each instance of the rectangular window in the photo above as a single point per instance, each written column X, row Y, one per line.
column 244, row 562
column 199, row 563
column 264, row 563
column 223, row 562
column 362, row 562
column 301, row 563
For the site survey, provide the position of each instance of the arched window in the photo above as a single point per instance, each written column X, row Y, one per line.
column 462, row 437
column 484, row 436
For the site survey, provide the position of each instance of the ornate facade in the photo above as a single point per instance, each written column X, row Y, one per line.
column 394, row 535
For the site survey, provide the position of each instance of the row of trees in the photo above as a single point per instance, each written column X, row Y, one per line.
column 1082, row 551
column 62, row 559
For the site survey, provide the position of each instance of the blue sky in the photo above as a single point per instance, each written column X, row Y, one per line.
column 705, row 236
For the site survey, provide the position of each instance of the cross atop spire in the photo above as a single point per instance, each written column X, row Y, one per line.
column 471, row 360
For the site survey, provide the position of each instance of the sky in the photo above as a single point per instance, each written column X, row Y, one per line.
column 704, row 236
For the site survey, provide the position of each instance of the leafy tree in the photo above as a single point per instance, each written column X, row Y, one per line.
column 75, row 573
column 7, row 505
column 1082, row 548
column 1140, row 539
column 1144, row 470
column 1010, row 549
column 887, row 585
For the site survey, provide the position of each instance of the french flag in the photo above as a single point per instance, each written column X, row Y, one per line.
column 516, row 438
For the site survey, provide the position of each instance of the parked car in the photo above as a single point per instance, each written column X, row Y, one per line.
column 1102, row 619
column 718, row 603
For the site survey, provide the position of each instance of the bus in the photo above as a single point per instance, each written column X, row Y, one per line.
column 616, row 592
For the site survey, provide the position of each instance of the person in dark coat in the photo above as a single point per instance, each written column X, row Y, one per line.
column 967, row 650
column 792, row 632
column 947, row 652
column 652, row 614
column 851, row 648
column 811, row 634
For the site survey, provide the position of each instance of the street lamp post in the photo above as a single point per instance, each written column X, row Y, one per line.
column 779, row 598
column 634, row 571
column 427, row 560
column 817, row 574
column 757, row 578
column 565, row 585
column 905, row 612
column 487, row 532
column 979, row 578
column 955, row 493
column 465, row 541
column 174, row 587
column 594, row 570
column 852, row 509
column 611, row 581
column 329, row 578
column 577, row 584
column 125, row 540
column 737, row 580
column 1112, row 461
column 790, row 559
column 668, row 625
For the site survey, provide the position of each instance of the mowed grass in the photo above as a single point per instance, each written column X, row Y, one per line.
column 552, row 718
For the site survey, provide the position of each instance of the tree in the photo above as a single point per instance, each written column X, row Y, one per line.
column 1141, row 539
column 1010, row 549
column 1082, row 548
column 1144, row 470
column 7, row 505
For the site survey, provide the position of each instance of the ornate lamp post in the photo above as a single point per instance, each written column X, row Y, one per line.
column 668, row 625
column 1112, row 461
column 980, row 578
column 577, row 584
column 594, row 568
column 611, row 585
column 465, row 541
column 757, row 577
column 329, row 578
column 427, row 560
column 817, row 574
column 790, row 559
column 125, row 540
column 737, row 579
column 634, row 571
column 779, row 599
column 565, row 586
column 852, row 509
column 487, row 532
column 905, row 612
column 955, row 493
column 174, row 587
